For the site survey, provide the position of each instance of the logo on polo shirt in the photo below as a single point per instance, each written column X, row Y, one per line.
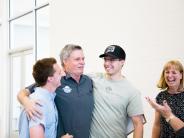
column 67, row 89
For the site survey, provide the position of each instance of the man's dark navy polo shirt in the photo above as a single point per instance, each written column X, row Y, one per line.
column 75, row 104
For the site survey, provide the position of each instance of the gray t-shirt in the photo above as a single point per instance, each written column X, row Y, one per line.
column 115, row 101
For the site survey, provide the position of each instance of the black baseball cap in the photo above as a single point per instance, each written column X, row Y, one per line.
column 114, row 51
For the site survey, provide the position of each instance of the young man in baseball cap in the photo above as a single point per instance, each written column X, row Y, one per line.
column 116, row 99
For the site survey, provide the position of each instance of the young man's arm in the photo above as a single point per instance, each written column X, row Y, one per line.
column 29, row 105
column 138, row 125
column 156, row 126
column 22, row 96
column 37, row 131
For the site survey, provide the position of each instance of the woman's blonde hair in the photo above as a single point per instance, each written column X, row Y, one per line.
column 178, row 66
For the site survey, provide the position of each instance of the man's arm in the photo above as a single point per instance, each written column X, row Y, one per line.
column 138, row 125
column 29, row 105
column 22, row 96
column 37, row 131
column 156, row 126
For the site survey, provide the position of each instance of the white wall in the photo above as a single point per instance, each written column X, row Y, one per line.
column 1, row 64
column 151, row 32
column 4, row 75
column 5, row 95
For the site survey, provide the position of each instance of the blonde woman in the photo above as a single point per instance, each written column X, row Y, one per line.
column 172, row 91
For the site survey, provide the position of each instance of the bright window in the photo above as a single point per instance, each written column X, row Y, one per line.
column 22, row 31
column 43, row 32
column 28, row 41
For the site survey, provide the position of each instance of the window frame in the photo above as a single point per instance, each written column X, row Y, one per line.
column 21, row 51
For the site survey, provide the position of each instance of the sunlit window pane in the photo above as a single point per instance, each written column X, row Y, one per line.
column 43, row 32
column 18, row 7
column 39, row 2
column 22, row 32
column 21, row 69
column 29, row 61
column 16, row 80
column 29, row 31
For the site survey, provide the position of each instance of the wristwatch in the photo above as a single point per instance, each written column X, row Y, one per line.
column 169, row 118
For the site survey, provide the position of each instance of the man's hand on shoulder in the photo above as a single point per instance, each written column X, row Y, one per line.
column 31, row 110
column 28, row 104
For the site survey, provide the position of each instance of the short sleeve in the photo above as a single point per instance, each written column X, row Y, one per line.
column 135, row 106
column 38, row 121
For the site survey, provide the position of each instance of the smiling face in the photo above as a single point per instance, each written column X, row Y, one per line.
column 74, row 64
column 113, row 66
column 56, row 76
column 172, row 77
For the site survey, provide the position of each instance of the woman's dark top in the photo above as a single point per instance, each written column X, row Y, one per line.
column 176, row 102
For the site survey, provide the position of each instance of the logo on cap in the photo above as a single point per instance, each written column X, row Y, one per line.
column 110, row 49
column 114, row 51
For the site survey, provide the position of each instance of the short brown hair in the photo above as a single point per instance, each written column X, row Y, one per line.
column 42, row 69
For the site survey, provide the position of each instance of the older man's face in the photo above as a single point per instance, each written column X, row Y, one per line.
column 75, row 63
